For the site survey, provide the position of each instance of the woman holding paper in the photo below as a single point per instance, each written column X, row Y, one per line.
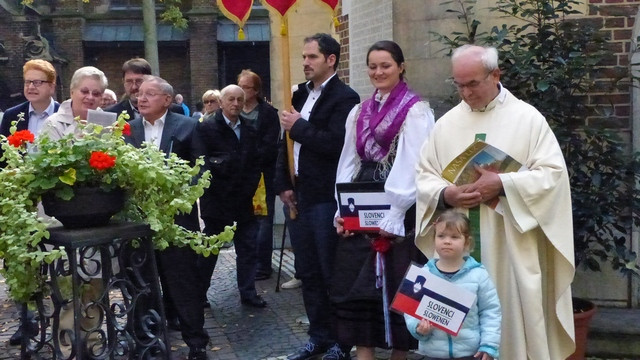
column 87, row 86
column 383, row 137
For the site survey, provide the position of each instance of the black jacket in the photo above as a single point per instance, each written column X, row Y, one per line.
column 267, row 128
column 12, row 115
column 321, row 137
column 234, row 166
column 177, row 137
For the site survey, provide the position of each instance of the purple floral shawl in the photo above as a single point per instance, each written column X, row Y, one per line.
column 377, row 129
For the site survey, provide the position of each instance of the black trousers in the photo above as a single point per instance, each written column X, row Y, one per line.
column 187, row 290
column 244, row 241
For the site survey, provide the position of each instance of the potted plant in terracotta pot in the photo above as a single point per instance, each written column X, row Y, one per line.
column 154, row 187
column 552, row 61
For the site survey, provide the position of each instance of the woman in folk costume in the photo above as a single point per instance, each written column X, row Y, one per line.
column 382, row 142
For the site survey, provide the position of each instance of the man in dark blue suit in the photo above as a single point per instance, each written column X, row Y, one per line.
column 133, row 70
column 177, row 266
column 316, row 125
column 39, row 88
column 230, row 148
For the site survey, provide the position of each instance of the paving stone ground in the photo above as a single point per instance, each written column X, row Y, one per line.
column 237, row 332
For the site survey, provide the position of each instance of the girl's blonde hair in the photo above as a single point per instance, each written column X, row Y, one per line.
column 454, row 220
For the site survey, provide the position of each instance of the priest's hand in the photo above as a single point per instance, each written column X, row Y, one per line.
column 461, row 197
column 488, row 184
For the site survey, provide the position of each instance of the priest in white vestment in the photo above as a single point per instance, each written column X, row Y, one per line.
column 528, row 250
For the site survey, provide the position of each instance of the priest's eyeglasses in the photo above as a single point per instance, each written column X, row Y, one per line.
column 471, row 85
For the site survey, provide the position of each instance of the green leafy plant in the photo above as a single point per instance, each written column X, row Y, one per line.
column 552, row 59
column 157, row 186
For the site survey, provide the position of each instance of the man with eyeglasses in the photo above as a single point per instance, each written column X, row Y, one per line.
column 528, row 248
column 182, row 287
column 133, row 71
column 39, row 88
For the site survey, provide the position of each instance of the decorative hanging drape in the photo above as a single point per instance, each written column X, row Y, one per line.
column 237, row 11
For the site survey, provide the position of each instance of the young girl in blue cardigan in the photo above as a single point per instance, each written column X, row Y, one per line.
column 479, row 336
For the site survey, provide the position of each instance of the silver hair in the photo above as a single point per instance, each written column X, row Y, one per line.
column 164, row 86
column 88, row 72
column 488, row 55
column 228, row 88
column 111, row 93
column 210, row 93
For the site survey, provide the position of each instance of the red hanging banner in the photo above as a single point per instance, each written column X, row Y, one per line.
column 281, row 6
column 333, row 4
column 237, row 11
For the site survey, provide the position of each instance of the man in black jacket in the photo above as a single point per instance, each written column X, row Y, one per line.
column 265, row 120
column 316, row 125
column 230, row 149
column 182, row 289
column 133, row 71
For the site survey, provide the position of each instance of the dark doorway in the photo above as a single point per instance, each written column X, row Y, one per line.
column 233, row 57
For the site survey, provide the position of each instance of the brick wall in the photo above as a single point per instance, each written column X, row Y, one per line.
column 617, row 18
column 67, row 40
column 343, row 34
column 11, row 71
column 203, row 55
column 369, row 21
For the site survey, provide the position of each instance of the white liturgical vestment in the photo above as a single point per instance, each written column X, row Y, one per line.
column 528, row 251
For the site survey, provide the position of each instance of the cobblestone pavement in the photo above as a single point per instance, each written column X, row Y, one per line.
column 237, row 332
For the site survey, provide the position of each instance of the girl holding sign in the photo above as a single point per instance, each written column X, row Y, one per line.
column 479, row 337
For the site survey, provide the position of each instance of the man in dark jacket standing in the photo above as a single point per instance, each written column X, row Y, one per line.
column 265, row 120
column 316, row 125
column 229, row 146
column 173, row 133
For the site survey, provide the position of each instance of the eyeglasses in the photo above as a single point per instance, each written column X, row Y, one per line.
column 471, row 84
column 131, row 82
column 94, row 93
column 36, row 83
column 210, row 101
column 150, row 95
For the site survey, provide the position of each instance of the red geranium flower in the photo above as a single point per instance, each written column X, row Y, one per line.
column 20, row 137
column 100, row 160
column 126, row 129
column 381, row 244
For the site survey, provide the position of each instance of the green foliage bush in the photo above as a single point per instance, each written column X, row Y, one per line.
column 157, row 186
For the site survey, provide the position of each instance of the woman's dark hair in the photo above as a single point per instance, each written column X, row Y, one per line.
column 393, row 49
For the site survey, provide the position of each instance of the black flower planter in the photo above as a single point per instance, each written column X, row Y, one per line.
column 89, row 207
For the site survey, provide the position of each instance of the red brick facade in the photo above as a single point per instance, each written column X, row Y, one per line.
column 617, row 18
column 343, row 34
